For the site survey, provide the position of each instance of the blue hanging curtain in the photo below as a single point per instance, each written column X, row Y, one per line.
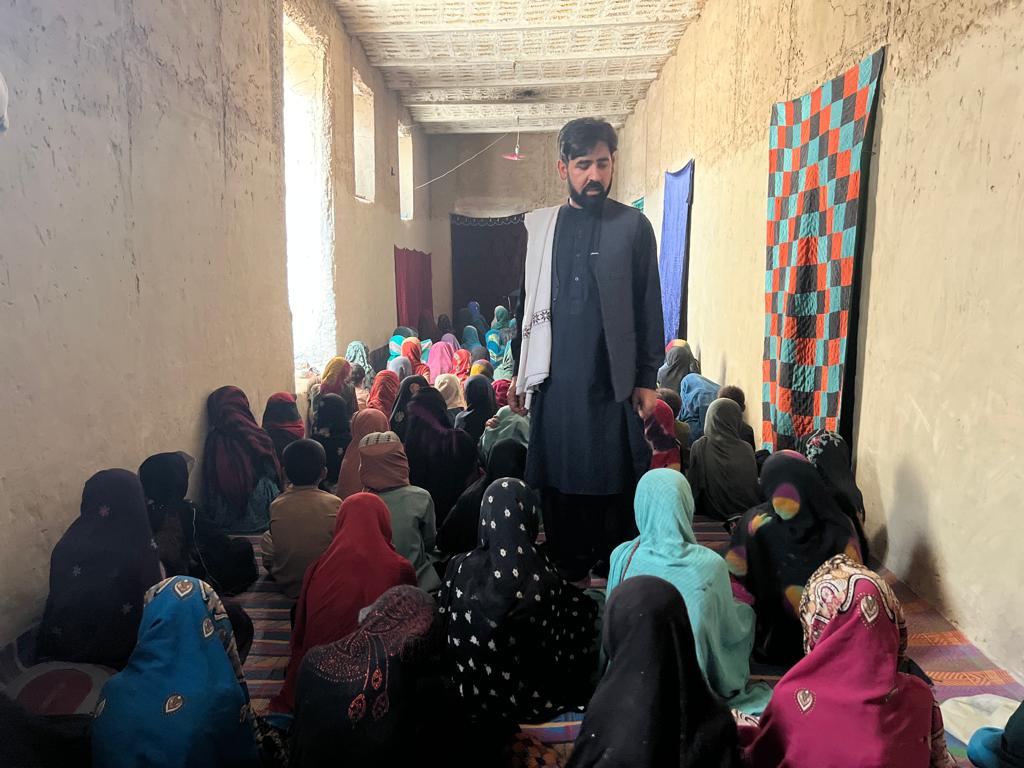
column 675, row 247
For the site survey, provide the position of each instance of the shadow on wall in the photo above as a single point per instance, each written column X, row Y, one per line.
column 863, row 283
column 904, row 543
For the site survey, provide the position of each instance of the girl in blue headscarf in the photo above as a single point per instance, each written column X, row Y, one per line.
column 495, row 346
column 697, row 394
column 182, row 699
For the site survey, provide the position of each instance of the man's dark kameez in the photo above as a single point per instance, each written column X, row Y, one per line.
column 587, row 450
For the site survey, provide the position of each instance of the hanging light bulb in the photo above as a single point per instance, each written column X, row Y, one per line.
column 515, row 155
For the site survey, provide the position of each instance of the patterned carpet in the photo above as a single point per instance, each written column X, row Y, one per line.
column 956, row 666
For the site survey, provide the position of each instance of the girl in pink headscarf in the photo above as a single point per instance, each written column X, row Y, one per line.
column 846, row 702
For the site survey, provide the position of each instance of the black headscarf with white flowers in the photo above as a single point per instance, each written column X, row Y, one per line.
column 520, row 639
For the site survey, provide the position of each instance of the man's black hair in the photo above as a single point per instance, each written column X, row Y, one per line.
column 304, row 462
column 579, row 137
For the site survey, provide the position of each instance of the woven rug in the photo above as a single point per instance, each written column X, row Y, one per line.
column 956, row 666
column 819, row 153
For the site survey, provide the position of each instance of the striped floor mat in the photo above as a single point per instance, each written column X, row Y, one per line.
column 956, row 666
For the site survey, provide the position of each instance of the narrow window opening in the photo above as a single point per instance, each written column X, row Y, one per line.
column 405, row 172
column 309, row 219
column 362, row 137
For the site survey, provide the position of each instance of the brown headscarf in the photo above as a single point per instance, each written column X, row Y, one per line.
column 363, row 423
column 383, row 464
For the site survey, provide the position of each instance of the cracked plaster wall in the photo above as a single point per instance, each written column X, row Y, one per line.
column 938, row 416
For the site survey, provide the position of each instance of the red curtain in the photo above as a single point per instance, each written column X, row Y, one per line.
column 414, row 295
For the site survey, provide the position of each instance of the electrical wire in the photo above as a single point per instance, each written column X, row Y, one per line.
column 468, row 159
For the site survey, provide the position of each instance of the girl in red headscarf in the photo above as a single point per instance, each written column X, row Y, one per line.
column 461, row 363
column 240, row 468
column 282, row 421
column 384, row 392
column 413, row 350
column 359, row 566
column 661, row 434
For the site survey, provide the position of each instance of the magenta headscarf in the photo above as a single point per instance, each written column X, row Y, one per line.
column 440, row 360
column 847, row 693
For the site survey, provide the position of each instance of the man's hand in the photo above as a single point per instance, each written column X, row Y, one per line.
column 643, row 402
column 517, row 403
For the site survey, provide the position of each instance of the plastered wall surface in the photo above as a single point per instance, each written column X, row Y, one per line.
column 142, row 257
column 488, row 186
column 937, row 412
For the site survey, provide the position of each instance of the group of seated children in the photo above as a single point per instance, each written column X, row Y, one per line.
column 397, row 518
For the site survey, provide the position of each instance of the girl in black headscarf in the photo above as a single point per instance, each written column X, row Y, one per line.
column 409, row 387
column 723, row 470
column 99, row 573
column 520, row 639
column 172, row 517
column 679, row 361
column 777, row 545
column 830, row 455
column 332, row 429
column 443, row 461
column 462, row 527
column 653, row 708
column 360, row 700
column 480, row 406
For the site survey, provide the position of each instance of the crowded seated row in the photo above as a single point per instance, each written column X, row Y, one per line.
column 395, row 517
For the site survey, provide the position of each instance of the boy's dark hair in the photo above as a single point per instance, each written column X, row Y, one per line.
column 672, row 399
column 358, row 374
column 304, row 462
column 734, row 393
column 579, row 137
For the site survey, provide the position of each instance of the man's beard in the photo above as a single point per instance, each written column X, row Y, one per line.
column 590, row 203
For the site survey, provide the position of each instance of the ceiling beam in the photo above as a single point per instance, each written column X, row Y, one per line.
column 428, row 105
column 552, row 127
column 520, row 83
column 384, row 63
column 385, row 30
column 511, row 118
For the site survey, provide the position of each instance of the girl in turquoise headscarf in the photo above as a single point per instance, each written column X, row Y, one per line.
column 358, row 353
column 470, row 338
column 182, row 699
column 722, row 628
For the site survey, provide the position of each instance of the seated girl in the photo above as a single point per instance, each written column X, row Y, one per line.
column 240, row 467
column 480, row 407
column 461, row 529
column 777, row 545
column 182, row 699
column 846, row 702
column 442, row 460
column 723, row 628
column 358, row 567
column 384, row 470
column 520, row 640
column 653, row 708
column 361, row 700
column 99, row 573
column 723, row 470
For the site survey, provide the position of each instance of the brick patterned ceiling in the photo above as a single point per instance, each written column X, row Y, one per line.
column 500, row 65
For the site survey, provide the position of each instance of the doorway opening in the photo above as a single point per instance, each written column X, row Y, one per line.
column 309, row 218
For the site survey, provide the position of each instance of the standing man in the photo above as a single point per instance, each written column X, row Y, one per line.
column 587, row 350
